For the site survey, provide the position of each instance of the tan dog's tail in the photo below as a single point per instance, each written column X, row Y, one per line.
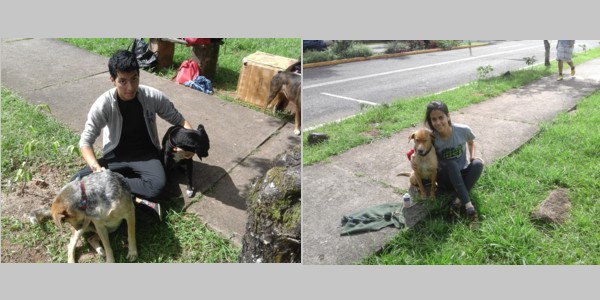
column 58, row 211
column 40, row 215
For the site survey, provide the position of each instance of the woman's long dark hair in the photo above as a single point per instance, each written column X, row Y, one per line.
column 436, row 105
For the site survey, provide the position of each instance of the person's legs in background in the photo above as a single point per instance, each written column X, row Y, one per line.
column 560, row 68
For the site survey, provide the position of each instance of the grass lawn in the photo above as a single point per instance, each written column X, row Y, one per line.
column 384, row 120
column 35, row 145
column 563, row 155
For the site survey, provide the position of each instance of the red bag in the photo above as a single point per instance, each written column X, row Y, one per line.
column 410, row 153
column 196, row 41
column 188, row 70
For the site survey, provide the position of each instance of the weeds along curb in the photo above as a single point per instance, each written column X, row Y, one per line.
column 355, row 59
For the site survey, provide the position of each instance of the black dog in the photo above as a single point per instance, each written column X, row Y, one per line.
column 191, row 141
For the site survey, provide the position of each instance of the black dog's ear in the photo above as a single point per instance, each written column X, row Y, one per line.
column 204, row 143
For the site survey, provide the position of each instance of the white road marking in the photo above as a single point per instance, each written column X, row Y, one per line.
column 352, row 99
column 415, row 68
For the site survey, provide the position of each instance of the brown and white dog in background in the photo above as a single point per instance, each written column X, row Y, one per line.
column 425, row 160
column 96, row 203
column 289, row 84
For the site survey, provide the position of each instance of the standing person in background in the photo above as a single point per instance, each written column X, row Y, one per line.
column 564, row 52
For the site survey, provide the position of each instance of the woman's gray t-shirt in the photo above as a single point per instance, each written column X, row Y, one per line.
column 455, row 146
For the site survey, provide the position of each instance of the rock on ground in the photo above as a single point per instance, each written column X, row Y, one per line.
column 273, row 231
column 555, row 209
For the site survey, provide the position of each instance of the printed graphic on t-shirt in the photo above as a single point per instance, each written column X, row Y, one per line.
column 452, row 153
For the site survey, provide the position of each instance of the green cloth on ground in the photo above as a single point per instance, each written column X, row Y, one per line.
column 373, row 219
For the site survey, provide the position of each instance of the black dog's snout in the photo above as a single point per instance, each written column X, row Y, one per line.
column 201, row 153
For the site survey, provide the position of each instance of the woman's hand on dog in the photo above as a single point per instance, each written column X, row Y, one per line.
column 410, row 155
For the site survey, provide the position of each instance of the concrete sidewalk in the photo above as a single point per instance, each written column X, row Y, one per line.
column 243, row 141
column 366, row 176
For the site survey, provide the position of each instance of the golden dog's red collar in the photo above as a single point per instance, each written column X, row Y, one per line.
column 426, row 152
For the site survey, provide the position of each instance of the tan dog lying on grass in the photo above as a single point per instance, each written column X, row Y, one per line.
column 424, row 161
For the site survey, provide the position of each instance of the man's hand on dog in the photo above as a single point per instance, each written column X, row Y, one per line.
column 185, row 154
column 96, row 168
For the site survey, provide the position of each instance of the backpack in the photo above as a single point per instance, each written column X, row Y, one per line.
column 145, row 57
column 188, row 70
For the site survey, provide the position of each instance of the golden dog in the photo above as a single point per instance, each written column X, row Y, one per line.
column 425, row 161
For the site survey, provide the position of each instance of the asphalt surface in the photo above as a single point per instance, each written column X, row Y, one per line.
column 338, row 91
column 244, row 142
column 365, row 176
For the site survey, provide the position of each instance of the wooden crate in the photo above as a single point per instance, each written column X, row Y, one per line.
column 255, row 77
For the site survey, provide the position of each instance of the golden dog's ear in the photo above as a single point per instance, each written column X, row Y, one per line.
column 411, row 137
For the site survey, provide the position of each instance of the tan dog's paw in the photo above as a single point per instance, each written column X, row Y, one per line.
column 297, row 131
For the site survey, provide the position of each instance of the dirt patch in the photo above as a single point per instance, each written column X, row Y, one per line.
column 37, row 193
column 373, row 133
column 15, row 253
column 16, row 205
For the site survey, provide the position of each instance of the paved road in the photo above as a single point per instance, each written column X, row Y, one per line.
column 335, row 92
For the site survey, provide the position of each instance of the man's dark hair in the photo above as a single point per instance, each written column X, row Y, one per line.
column 122, row 61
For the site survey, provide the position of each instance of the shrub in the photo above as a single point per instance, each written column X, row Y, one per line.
column 417, row 44
column 341, row 46
column 484, row 72
column 318, row 56
column 529, row 60
column 396, row 46
column 446, row 44
column 356, row 50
